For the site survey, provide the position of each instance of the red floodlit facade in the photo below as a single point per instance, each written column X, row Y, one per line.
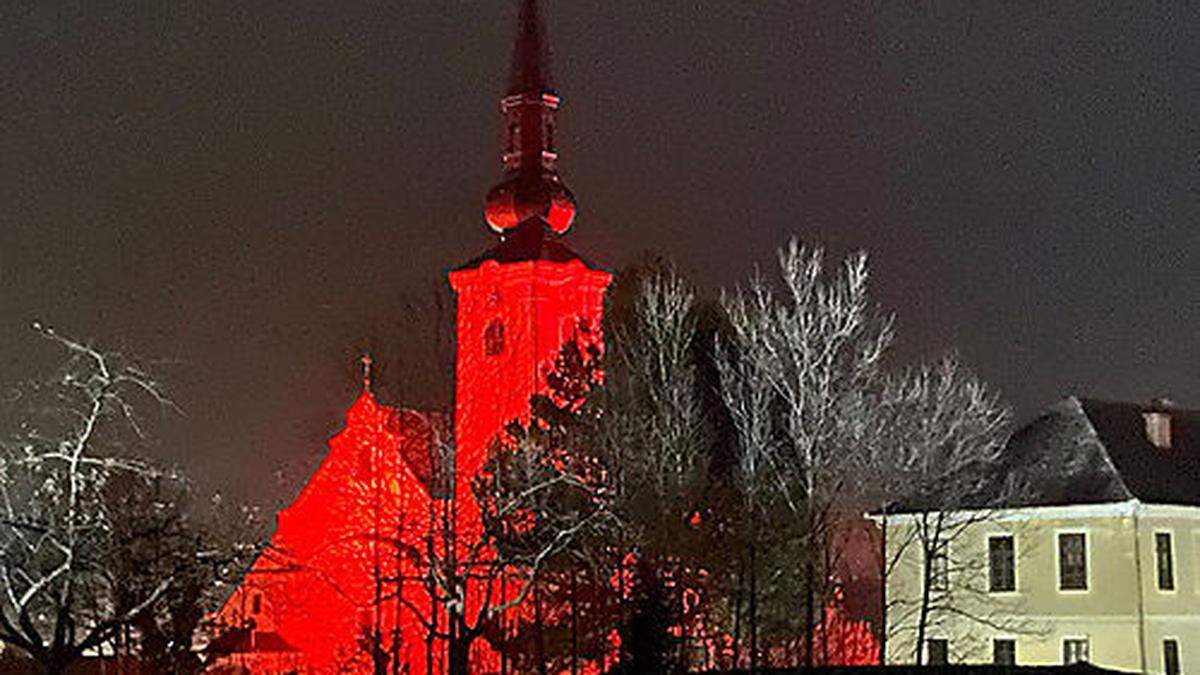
column 345, row 583
column 353, row 579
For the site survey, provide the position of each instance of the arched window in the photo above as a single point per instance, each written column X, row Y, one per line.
column 493, row 338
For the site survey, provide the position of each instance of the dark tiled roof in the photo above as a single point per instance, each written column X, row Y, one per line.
column 421, row 436
column 1086, row 451
column 244, row 640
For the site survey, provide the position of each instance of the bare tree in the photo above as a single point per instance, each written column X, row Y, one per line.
column 819, row 345
column 751, row 399
column 60, row 526
column 945, row 434
column 476, row 558
column 657, row 443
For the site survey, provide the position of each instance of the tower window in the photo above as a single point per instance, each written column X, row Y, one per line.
column 493, row 338
column 256, row 604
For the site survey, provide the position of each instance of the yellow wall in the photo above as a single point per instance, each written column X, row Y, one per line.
column 1119, row 612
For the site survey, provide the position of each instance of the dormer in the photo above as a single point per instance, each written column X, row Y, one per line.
column 1158, row 423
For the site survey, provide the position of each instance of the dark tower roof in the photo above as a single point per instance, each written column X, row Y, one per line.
column 531, row 58
column 532, row 193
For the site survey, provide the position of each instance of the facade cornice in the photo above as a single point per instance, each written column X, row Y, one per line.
column 1124, row 509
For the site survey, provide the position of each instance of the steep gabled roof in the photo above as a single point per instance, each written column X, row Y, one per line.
column 1086, row 451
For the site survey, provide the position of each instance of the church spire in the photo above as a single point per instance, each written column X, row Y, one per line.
column 531, row 59
column 532, row 189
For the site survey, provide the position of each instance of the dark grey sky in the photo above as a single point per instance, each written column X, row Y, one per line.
column 257, row 190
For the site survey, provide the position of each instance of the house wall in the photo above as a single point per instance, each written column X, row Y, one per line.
column 1121, row 610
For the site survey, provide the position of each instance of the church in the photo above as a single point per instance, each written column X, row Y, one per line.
column 355, row 577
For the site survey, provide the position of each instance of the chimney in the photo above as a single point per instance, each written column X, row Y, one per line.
column 1158, row 423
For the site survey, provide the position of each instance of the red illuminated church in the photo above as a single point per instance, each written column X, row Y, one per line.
column 347, row 583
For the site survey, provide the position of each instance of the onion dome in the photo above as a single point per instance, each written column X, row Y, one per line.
column 524, row 196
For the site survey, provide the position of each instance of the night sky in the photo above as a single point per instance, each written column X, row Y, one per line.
column 256, row 192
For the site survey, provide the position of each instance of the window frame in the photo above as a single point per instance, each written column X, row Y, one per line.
column 1010, row 640
column 1173, row 578
column 1174, row 641
column 945, row 644
column 1058, row 561
column 1012, row 572
column 1087, row 648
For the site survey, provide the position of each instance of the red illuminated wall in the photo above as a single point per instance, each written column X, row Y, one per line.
column 312, row 592
column 359, row 530
column 513, row 319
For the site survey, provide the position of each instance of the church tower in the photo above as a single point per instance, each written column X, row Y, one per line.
column 520, row 302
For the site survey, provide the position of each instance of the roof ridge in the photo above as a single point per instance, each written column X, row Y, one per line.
column 1106, row 453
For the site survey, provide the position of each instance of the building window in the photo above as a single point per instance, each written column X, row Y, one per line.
column 1166, row 561
column 256, row 604
column 1072, row 562
column 1002, row 575
column 1075, row 650
column 939, row 572
column 493, row 338
column 1171, row 657
column 937, row 652
column 1004, row 652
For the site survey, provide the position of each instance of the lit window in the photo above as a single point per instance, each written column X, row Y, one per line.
column 1171, row 657
column 1001, row 564
column 1072, row 562
column 1166, row 562
column 493, row 338
column 1004, row 652
column 937, row 652
column 939, row 572
column 1075, row 650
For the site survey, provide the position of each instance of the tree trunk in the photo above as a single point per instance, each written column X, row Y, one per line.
column 737, row 610
column 923, row 615
column 574, row 624
column 753, row 607
column 460, row 653
column 57, row 661
column 540, row 646
column 883, row 577
column 926, row 576
column 810, row 591
column 680, row 601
